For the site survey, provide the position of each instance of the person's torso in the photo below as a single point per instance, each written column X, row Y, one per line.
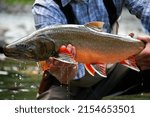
column 93, row 10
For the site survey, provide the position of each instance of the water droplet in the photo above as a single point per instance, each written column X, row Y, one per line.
column 1, row 82
column 33, row 86
column 16, row 75
column 20, row 85
column 20, row 77
column 1, row 90
column 38, row 64
column 15, row 92
column 3, row 73
column 12, row 96
column 38, row 68
column 24, row 90
column 15, row 84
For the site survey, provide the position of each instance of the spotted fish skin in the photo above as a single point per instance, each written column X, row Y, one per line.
column 92, row 45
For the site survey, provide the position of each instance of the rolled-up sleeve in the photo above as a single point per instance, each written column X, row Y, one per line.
column 140, row 8
column 47, row 13
column 145, row 18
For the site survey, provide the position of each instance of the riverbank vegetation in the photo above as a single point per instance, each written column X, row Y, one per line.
column 13, row 2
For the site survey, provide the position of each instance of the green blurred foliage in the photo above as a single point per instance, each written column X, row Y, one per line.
column 22, row 2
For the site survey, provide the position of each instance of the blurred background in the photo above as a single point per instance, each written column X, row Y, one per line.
column 20, row 80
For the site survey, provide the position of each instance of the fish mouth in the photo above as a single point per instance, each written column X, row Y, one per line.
column 13, row 53
column 34, row 50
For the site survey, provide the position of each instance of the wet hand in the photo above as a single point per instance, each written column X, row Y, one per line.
column 143, row 58
column 70, row 49
column 61, row 70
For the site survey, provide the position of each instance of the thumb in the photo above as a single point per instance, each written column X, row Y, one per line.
column 144, row 39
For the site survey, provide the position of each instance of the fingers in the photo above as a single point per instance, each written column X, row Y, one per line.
column 72, row 50
column 63, row 72
column 145, row 39
column 145, row 67
column 143, row 58
column 69, row 49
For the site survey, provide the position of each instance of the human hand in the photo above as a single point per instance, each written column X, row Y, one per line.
column 143, row 58
column 61, row 70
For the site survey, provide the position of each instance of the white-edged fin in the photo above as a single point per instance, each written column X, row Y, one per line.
column 130, row 63
column 66, row 59
column 100, row 69
column 89, row 69
column 65, row 56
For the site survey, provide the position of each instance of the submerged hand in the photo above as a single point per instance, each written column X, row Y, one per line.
column 143, row 58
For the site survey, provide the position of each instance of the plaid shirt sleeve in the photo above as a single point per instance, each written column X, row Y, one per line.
column 140, row 8
column 47, row 13
column 146, row 17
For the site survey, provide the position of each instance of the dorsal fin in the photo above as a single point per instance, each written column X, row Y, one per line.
column 95, row 24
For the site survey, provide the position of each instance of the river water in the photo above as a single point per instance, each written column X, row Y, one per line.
column 17, row 25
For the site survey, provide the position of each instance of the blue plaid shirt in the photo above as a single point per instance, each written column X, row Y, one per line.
column 47, row 12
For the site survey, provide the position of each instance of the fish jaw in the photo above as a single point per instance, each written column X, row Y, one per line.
column 36, row 49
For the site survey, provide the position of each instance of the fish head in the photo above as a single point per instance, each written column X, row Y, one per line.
column 34, row 47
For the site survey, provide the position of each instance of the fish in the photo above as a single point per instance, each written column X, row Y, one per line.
column 94, row 48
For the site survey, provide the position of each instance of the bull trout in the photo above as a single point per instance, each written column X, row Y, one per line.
column 94, row 48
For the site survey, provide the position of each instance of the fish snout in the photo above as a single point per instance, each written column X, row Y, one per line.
column 10, row 51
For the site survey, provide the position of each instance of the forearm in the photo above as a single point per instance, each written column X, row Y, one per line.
column 140, row 8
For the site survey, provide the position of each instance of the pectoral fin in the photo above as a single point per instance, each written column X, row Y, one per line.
column 65, row 56
column 66, row 59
